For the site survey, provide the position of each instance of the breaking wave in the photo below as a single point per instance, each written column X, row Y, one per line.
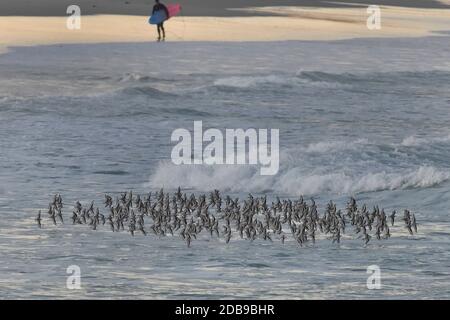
column 254, row 82
column 134, row 77
column 329, row 146
column 317, row 168
column 413, row 141
column 292, row 181
column 325, row 80
column 251, row 81
column 146, row 91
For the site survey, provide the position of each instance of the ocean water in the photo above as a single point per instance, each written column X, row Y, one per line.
column 362, row 118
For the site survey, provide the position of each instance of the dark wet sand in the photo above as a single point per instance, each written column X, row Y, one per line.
column 190, row 7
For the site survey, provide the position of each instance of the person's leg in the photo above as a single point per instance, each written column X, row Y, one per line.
column 163, row 31
column 159, row 31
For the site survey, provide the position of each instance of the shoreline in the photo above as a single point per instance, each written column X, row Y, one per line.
column 202, row 8
column 295, row 23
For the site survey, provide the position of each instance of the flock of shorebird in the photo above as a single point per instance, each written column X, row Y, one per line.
column 165, row 214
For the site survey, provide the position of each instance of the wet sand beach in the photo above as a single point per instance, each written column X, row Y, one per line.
column 259, row 24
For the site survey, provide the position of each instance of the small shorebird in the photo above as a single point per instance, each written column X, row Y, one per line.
column 39, row 219
column 392, row 216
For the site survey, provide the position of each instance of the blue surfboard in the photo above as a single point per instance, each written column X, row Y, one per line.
column 158, row 17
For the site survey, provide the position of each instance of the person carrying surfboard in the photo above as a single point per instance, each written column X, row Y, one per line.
column 157, row 7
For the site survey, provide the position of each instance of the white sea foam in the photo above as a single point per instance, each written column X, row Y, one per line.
column 302, row 172
column 133, row 77
column 294, row 180
column 329, row 146
column 243, row 82
column 413, row 141
column 251, row 81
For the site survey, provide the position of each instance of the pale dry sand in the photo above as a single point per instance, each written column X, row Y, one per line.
column 297, row 23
